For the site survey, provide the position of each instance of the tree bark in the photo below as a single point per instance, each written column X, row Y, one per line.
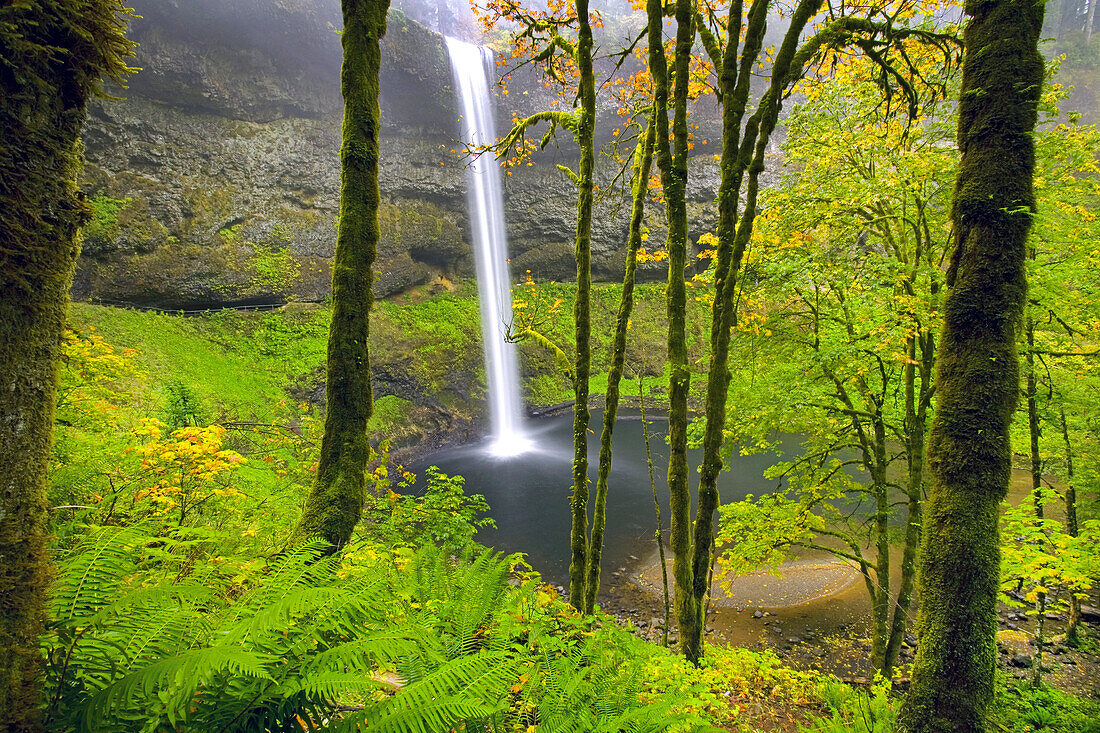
column 578, row 535
column 1071, row 530
column 978, row 372
column 674, row 179
column 335, row 502
column 54, row 55
column 643, row 162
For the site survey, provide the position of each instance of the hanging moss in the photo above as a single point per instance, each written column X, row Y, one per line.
column 336, row 500
column 52, row 57
column 977, row 375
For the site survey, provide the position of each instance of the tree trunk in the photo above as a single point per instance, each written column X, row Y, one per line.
column 1036, row 476
column 916, row 413
column 740, row 154
column 54, row 56
column 643, row 162
column 674, row 179
column 978, row 371
column 881, row 600
column 733, row 86
column 336, row 500
column 1071, row 530
column 578, row 534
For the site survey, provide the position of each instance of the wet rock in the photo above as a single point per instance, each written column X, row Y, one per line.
column 794, row 640
column 757, row 614
column 1020, row 660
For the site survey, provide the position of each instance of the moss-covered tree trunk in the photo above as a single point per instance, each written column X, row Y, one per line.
column 741, row 152
column 978, row 373
column 643, row 162
column 53, row 57
column 674, row 180
column 335, row 502
column 586, row 125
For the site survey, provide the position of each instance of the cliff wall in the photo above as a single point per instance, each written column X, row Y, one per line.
column 216, row 176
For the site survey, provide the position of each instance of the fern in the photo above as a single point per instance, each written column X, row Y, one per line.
column 173, row 682
column 93, row 571
column 303, row 647
column 470, row 688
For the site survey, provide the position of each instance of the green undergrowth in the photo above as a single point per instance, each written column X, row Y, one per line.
column 154, row 629
column 182, row 457
column 258, row 366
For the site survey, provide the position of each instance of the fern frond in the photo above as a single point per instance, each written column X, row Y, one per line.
column 90, row 577
column 170, row 685
column 304, row 566
column 468, row 688
column 387, row 645
column 431, row 716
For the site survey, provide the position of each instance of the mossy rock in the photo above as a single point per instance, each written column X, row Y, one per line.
column 398, row 273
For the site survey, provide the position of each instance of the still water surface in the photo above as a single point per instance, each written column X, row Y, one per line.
column 528, row 494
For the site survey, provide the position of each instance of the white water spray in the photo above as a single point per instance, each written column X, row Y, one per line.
column 472, row 67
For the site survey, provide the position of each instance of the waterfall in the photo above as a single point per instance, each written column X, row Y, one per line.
column 473, row 67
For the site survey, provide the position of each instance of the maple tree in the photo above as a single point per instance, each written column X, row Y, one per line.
column 185, row 469
column 849, row 260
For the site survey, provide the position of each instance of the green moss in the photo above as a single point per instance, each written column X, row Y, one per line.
column 969, row 456
column 55, row 55
column 335, row 503
column 390, row 413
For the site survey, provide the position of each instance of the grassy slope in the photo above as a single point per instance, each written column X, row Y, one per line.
column 241, row 365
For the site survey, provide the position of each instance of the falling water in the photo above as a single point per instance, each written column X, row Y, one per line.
column 472, row 67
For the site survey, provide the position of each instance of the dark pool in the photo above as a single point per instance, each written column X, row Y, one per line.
column 529, row 494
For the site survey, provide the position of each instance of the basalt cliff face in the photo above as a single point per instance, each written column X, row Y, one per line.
column 215, row 178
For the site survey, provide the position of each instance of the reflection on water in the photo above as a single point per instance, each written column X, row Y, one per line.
column 529, row 494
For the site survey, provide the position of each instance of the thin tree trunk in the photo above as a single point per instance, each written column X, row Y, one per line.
column 1089, row 20
column 675, row 186
column 1036, row 476
column 335, row 502
column 978, row 371
column 672, row 181
column 656, row 507
column 643, row 161
column 881, row 598
column 578, row 535
column 916, row 410
column 739, row 154
column 1071, row 530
